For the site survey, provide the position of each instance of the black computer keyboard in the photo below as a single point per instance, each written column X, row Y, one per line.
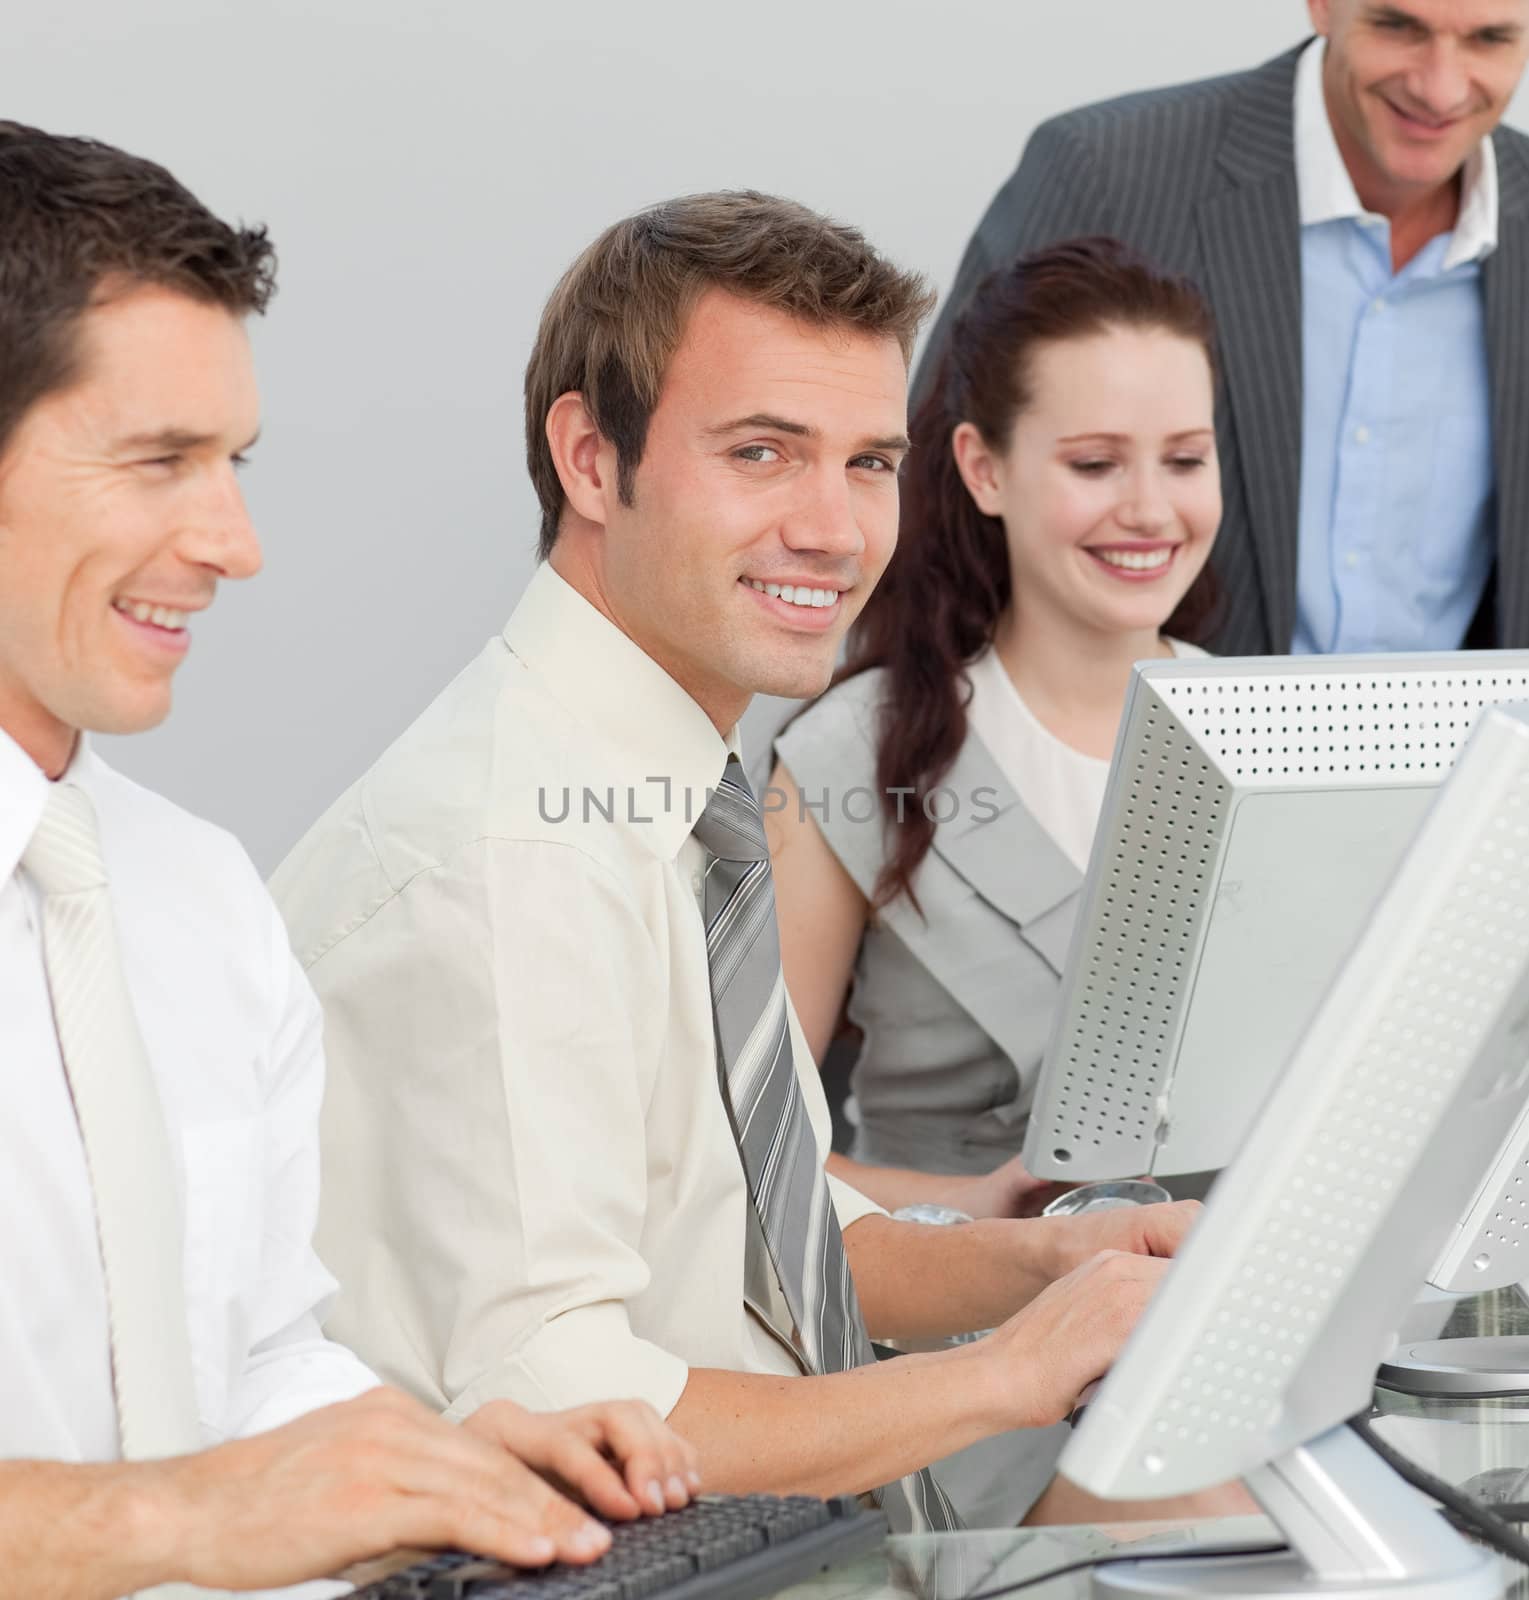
column 723, row 1547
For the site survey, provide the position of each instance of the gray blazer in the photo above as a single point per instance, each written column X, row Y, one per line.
column 956, row 1009
column 1201, row 178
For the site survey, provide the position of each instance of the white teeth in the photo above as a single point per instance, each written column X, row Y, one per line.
column 795, row 594
column 1137, row 560
column 161, row 616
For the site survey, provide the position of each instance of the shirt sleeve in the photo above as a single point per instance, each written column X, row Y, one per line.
column 290, row 1368
column 510, row 1062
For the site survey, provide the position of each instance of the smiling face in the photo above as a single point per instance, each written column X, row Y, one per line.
column 119, row 512
column 1413, row 86
column 1108, row 487
column 764, row 507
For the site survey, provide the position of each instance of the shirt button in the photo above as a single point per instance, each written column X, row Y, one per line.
column 1351, row 561
column 1379, row 304
column 1361, row 434
column 695, row 882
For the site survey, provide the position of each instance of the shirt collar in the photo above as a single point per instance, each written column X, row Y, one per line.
column 1327, row 191
column 24, row 793
column 659, row 744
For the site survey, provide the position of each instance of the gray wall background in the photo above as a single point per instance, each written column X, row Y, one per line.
column 427, row 172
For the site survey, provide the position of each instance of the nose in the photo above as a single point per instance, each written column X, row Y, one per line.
column 219, row 534
column 824, row 518
column 1146, row 511
column 1439, row 83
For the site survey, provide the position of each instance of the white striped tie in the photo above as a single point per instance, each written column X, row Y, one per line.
column 122, row 1128
column 775, row 1139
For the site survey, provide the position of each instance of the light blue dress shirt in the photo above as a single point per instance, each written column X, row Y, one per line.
column 1397, row 473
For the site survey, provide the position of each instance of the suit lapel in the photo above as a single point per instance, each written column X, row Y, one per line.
column 1008, row 860
column 1505, row 293
column 1250, row 242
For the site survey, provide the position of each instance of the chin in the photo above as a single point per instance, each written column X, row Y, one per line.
column 123, row 714
column 792, row 680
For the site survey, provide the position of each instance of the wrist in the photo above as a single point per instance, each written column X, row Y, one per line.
column 1037, row 1247
column 141, row 1515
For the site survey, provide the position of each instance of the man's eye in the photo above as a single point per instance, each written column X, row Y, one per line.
column 1186, row 463
column 874, row 463
column 161, row 461
column 1091, row 469
column 757, row 452
column 240, row 460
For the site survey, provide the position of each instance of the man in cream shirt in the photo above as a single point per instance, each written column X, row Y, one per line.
column 574, row 1136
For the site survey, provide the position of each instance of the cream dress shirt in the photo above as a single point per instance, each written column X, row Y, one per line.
column 233, row 1036
column 531, row 1185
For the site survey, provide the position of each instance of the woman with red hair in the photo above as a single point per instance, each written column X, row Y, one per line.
column 934, row 809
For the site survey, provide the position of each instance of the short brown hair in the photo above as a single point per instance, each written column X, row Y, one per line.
column 77, row 216
column 617, row 315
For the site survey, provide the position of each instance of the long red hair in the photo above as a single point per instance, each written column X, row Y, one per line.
column 939, row 604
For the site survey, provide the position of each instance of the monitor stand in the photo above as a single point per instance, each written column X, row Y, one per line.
column 1459, row 1369
column 1354, row 1529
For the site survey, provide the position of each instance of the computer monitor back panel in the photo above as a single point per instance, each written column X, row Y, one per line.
column 1256, row 808
column 1355, row 1171
column 1489, row 1249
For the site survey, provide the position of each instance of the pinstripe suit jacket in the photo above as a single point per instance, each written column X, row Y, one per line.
column 1201, row 178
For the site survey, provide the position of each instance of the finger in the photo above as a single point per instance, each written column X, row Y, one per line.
column 678, row 1462
column 479, row 1472
column 1165, row 1227
column 510, row 1491
column 632, row 1435
column 434, row 1522
column 579, row 1464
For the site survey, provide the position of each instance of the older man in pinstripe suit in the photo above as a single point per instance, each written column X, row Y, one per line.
column 1360, row 222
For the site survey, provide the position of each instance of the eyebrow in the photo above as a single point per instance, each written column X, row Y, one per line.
column 1124, row 438
column 800, row 430
column 1506, row 29
column 172, row 440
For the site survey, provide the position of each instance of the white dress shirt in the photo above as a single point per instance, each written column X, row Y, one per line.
column 532, row 1187
column 233, row 1036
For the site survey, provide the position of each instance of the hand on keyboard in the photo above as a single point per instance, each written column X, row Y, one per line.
column 720, row 1548
column 354, row 1481
column 619, row 1456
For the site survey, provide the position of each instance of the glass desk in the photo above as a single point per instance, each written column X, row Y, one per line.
column 1483, row 1444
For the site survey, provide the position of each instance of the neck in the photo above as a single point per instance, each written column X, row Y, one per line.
column 575, row 559
column 1073, row 678
column 46, row 740
column 1417, row 213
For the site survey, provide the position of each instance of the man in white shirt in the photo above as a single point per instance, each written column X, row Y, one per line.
column 172, row 1412
column 545, row 1105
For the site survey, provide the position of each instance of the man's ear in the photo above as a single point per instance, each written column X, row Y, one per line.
column 585, row 462
column 1321, row 16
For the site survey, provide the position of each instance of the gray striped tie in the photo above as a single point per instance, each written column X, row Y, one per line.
column 122, row 1128
column 780, row 1153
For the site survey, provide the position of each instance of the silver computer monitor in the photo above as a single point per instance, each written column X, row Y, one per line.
column 1346, row 1191
column 1488, row 1248
column 1255, row 809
